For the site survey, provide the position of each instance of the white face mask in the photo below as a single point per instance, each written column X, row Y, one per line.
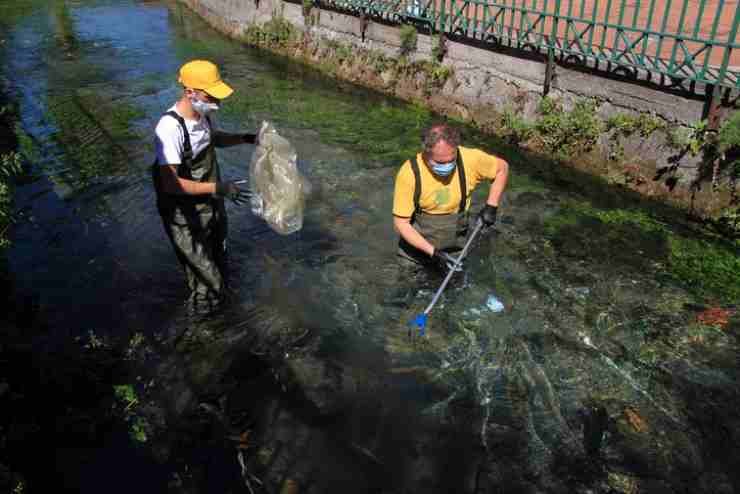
column 203, row 107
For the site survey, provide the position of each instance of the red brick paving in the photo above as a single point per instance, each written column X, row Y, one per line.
column 667, row 17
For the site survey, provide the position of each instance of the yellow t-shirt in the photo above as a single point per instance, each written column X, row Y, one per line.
column 438, row 196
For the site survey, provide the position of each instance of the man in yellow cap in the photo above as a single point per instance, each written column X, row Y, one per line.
column 190, row 192
column 432, row 196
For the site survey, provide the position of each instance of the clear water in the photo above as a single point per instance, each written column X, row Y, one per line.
column 345, row 398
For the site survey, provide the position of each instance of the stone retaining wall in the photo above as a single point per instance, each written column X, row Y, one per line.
column 484, row 82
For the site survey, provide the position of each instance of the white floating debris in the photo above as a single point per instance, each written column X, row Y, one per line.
column 494, row 304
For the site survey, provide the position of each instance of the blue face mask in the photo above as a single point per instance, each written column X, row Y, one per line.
column 443, row 169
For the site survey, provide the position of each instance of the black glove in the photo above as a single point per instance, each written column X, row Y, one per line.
column 445, row 261
column 488, row 215
column 232, row 191
column 249, row 138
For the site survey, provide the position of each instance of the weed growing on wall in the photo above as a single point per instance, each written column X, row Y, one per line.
column 567, row 133
column 728, row 141
column 408, row 40
column 439, row 47
column 625, row 125
column 515, row 128
column 277, row 32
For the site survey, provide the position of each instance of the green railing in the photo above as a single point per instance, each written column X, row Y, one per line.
column 684, row 40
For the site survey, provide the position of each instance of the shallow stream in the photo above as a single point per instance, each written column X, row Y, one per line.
column 598, row 376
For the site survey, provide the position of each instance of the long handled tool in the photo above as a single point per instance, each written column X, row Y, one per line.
column 420, row 321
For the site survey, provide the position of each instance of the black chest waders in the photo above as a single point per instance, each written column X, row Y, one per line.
column 446, row 232
column 196, row 225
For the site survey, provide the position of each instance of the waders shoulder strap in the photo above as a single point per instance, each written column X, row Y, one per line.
column 417, row 183
column 187, row 155
column 463, row 183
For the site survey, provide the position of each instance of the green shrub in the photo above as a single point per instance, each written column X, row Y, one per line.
column 515, row 127
column 729, row 134
column 568, row 133
column 626, row 125
column 277, row 32
column 408, row 39
column 439, row 50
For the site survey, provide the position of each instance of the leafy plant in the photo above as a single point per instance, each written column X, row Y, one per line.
column 126, row 396
column 379, row 62
column 516, row 128
column 625, row 124
column 408, row 39
column 729, row 134
column 10, row 166
column 439, row 47
column 690, row 139
column 568, row 133
column 307, row 6
column 275, row 32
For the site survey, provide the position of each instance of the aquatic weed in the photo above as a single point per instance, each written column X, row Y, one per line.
column 633, row 237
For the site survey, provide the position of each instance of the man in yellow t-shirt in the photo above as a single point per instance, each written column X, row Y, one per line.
column 432, row 195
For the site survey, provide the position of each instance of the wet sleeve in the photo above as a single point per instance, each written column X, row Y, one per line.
column 403, row 194
column 168, row 142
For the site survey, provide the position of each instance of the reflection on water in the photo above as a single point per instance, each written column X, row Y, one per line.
column 595, row 378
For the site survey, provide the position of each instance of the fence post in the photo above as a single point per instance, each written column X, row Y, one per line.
column 555, row 21
column 728, row 49
column 712, row 105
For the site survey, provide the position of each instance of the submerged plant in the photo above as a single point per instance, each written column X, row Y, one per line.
column 468, row 370
column 128, row 401
column 705, row 268
column 10, row 166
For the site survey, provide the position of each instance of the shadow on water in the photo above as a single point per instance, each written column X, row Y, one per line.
column 595, row 378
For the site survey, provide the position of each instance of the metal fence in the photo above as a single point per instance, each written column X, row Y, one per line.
column 685, row 40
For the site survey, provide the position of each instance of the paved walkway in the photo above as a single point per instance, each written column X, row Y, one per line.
column 682, row 18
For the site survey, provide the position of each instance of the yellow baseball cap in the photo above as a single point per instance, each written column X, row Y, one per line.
column 202, row 74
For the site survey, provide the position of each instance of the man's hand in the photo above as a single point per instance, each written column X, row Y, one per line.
column 445, row 260
column 231, row 190
column 488, row 215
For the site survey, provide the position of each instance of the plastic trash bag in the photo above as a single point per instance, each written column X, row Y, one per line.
column 278, row 188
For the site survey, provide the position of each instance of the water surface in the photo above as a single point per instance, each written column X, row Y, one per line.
column 315, row 357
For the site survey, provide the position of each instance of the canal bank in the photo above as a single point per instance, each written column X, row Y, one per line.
column 641, row 136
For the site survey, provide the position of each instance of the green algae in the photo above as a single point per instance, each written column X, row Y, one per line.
column 386, row 133
column 93, row 131
column 635, row 240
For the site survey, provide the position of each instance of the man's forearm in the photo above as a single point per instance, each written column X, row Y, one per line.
column 498, row 186
column 413, row 237
column 173, row 184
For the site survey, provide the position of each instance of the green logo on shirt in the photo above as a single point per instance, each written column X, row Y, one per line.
column 442, row 196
